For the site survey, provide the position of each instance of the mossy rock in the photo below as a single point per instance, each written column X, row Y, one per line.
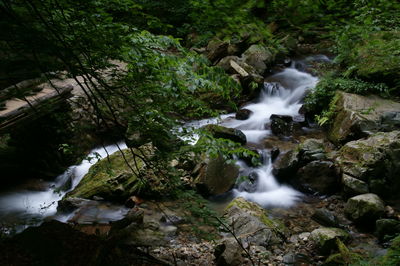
column 364, row 209
column 226, row 133
column 325, row 238
column 358, row 116
column 113, row 179
column 375, row 161
column 249, row 218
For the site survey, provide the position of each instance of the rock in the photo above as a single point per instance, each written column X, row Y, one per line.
column 216, row 49
column 112, row 179
column 353, row 186
column 325, row 218
column 286, row 167
column 243, row 114
column 364, row 209
column 312, row 149
column 387, row 229
column 133, row 201
column 275, row 153
column 259, row 57
column 318, row 176
column 251, row 223
column 375, row 161
column 71, row 204
column 226, row 133
column 359, row 116
column 325, row 238
column 281, row 125
column 215, row 176
column 228, row 252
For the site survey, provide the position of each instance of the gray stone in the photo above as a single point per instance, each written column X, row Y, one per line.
column 228, row 252
column 375, row 161
column 250, row 222
column 325, row 218
column 259, row 57
column 318, row 177
column 359, row 116
column 353, row 186
column 325, row 238
column 216, row 176
column 364, row 209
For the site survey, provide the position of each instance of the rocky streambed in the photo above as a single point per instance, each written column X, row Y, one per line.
column 315, row 197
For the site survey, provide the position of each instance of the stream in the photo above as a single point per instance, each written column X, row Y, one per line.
column 282, row 95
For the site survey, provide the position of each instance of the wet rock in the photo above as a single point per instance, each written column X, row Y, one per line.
column 353, row 186
column 226, row 133
column 259, row 57
column 325, row 218
column 243, row 114
column 275, row 153
column 364, row 209
column 228, row 252
column 251, row 223
column 375, row 161
column 359, row 116
column 325, row 238
column 71, row 204
column 287, row 166
column 216, row 49
column 216, row 176
column 281, row 125
column 318, row 176
column 249, row 185
column 387, row 229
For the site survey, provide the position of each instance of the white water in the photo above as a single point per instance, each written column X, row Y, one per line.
column 25, row 204
column 282, row 96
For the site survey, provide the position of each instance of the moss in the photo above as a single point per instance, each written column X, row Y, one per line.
column 392, row 257
column 111, row 178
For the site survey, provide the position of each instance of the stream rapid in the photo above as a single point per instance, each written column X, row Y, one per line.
column 282, row 95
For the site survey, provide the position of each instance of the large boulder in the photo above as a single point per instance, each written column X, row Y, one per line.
column 226, row 133
column 251, row 223
column 113, row 179
column 320, row 177
column 259, row 57
column 325, row 238
column 364, row 209
column 216, row 49
column 359, row 116
column 374, row 161
column 215, row 176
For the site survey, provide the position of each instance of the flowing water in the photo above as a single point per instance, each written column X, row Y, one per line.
column 21, row 208
column 282, row 95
